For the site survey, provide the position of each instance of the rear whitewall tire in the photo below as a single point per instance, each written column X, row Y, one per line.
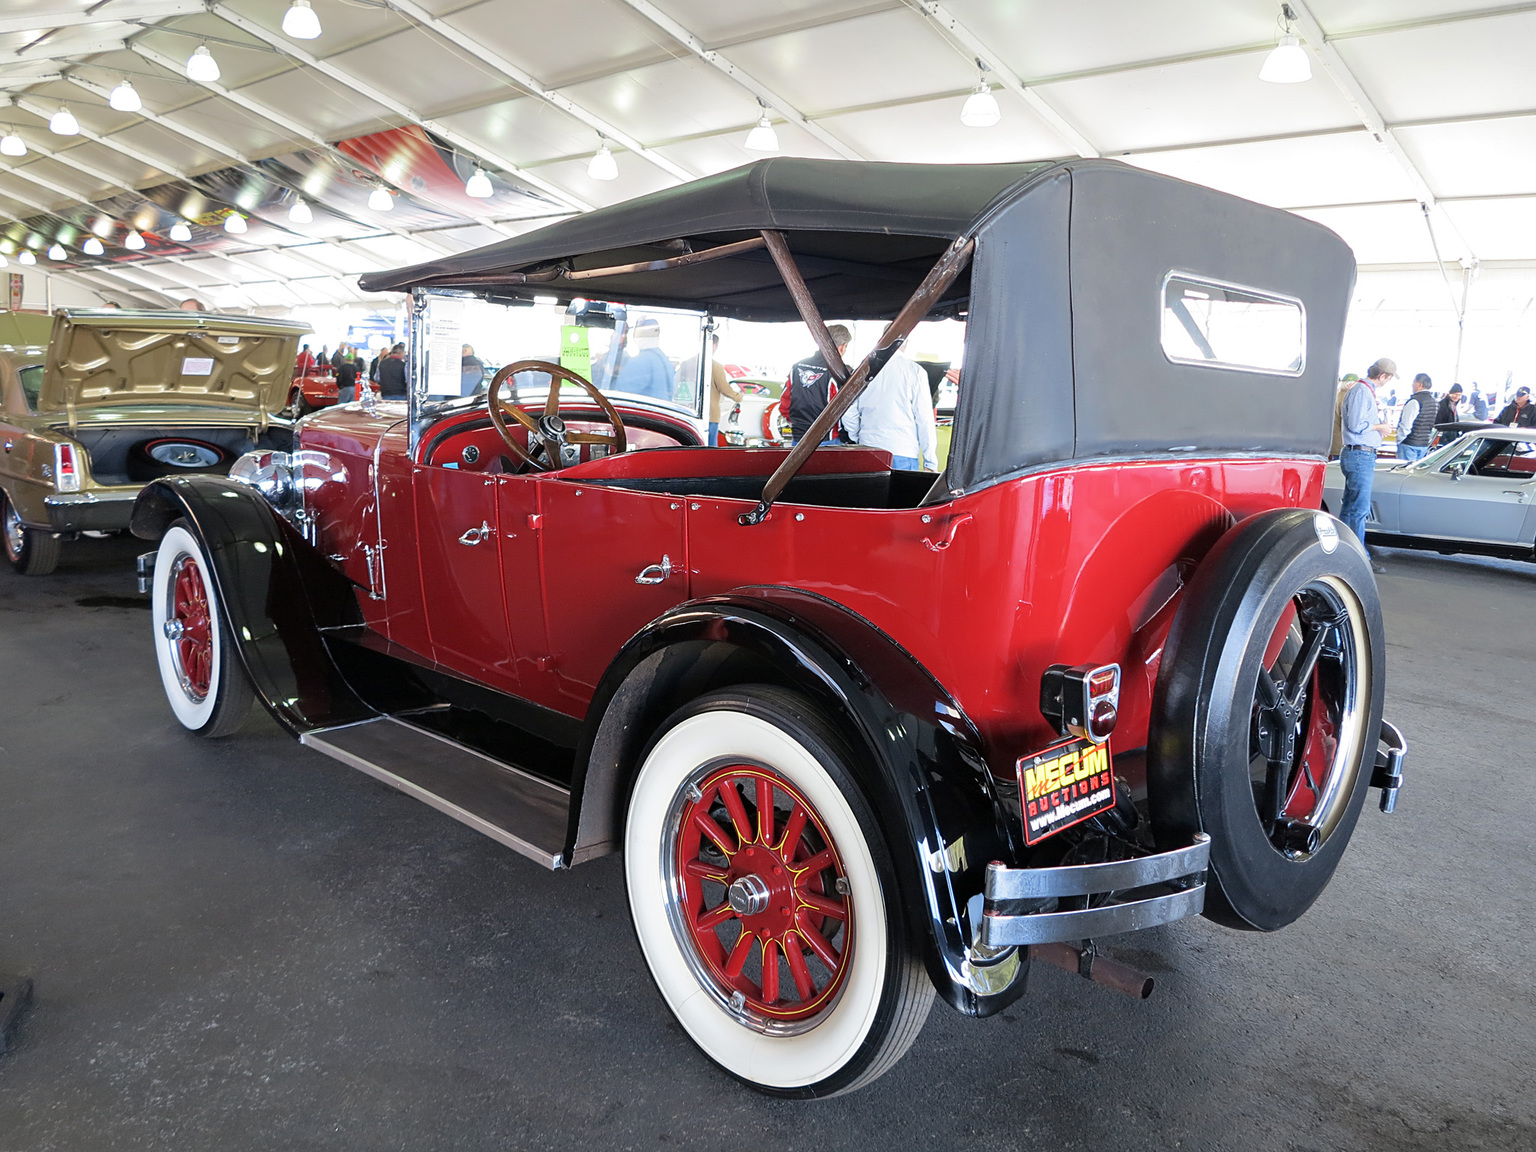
column 886, row 993
column 226, row 704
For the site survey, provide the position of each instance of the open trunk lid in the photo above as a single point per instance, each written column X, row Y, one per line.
column 112, row 357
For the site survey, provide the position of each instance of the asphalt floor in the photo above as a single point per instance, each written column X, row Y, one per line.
column 245, row 945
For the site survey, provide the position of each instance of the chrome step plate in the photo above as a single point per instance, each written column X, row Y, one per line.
column 512, row 807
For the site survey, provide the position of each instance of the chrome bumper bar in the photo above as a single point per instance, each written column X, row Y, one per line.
column 1180, row 873
column 90, row 511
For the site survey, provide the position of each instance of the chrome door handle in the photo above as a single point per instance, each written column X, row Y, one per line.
column 656, row 573
column 477, row 535
column 1518, row 493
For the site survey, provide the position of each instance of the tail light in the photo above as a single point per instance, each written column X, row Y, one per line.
column 66, row 468
column 1081, row 700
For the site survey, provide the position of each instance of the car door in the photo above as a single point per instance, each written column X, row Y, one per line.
column 613, row 560
column 1469, row 497
column 458, row 542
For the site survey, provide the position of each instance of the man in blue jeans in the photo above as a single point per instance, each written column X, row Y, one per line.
column 1363, row 426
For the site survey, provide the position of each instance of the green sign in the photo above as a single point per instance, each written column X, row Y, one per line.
column 575, row 354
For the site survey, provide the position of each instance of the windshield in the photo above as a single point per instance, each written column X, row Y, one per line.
column 648, row 354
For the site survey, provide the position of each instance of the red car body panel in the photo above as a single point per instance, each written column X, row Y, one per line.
column 1081, row 563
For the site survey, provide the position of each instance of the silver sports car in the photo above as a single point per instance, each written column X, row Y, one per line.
column 1475, row 494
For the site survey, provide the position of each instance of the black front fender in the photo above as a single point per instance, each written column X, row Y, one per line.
column 921, row 761
column 276, row 590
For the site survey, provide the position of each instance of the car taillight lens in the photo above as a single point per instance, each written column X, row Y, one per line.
column 1083, row 700
column 66, row 468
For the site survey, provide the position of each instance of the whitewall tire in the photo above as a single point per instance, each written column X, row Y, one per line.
column 203, row 677
column 764, row 897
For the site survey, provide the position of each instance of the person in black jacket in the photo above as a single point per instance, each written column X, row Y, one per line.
column 810, row 386
column 1519, row 412
column 392, row 374
column 1416, row 422
column 1447, row 411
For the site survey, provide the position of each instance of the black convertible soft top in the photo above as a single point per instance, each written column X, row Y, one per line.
column 864, row 236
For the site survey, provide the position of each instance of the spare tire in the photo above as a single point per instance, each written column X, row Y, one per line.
column 176, row 456
column 1266, row 713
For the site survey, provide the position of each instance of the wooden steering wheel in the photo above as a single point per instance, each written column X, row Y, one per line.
column 547, row 434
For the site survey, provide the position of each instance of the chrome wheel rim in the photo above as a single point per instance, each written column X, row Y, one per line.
column 188, row 628
column 1307, row 738
column 15, row 533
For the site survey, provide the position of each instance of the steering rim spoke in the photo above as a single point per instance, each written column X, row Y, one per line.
column 546, row 431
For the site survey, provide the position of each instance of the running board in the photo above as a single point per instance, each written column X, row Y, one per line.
column 527, row 814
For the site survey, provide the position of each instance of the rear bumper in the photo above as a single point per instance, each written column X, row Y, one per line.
column 1022, row 905
column 90, row 511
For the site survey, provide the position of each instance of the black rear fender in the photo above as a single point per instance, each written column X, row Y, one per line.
column 920, row 759
column 277, row 591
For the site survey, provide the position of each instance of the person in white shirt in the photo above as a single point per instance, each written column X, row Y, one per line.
column 895, row 412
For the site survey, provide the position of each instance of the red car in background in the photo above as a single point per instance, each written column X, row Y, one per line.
column 861, row 735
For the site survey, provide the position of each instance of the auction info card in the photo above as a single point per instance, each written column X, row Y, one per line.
column 1063, row 785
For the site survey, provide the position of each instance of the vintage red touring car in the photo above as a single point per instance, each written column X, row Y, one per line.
column 859, row 733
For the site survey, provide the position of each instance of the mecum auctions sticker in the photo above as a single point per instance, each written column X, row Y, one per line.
column 1063, row 785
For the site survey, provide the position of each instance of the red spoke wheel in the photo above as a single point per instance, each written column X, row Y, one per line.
column 204, row 679
column 764, row 897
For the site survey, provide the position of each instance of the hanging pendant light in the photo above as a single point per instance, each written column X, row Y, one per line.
column 63, row 123
column 300, row 21
column 381, row 200
column 92, row 247
column 26, row 257
column 479, row 186
column 1287, row 62
column 603, row 165
column 133, row 241
column 180, row 232
column 201, row 66
column 234, row 223
column 125, row 98
column 300, row 213
column 762, row 138
column 12, row 144
column 56, row 252
column 980, row 109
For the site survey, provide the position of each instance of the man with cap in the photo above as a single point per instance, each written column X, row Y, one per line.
column 1519, row 412
column 1416, row 422
column 1446, row 414
column 1363, row 425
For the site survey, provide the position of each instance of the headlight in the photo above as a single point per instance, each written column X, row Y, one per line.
column 271, row 474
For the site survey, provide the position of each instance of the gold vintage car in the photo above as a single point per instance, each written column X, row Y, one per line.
column 116, row 399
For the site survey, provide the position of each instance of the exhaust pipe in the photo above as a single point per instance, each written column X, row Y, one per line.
column 1089, row 963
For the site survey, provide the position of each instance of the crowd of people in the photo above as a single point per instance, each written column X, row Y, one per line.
column 1363, row 418
column 386, row 372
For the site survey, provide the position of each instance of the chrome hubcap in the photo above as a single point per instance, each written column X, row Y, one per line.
column 14, row 532
column 748, row 895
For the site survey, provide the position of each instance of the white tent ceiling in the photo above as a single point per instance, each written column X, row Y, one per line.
column 1413, row 105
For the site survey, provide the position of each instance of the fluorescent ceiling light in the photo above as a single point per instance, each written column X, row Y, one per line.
column 763, row 138
column 180, row 232
column 26, row 257
column 981, row 110
column 234, row 223
column 92, row 247
column 133, row 241
column 125, row 98
column 1287, row 63
column 479, row 186
column 300, row 213
column 56, row 252
column 605, row 167
column 201, row 66
column 300, row 21
column 12, row 145
column 380, row 200
column 64, row 123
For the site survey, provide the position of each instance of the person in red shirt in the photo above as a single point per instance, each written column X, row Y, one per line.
column 305, row 364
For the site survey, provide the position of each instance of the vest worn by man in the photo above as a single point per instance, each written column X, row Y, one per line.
column 811, row 388
column 1424, row 423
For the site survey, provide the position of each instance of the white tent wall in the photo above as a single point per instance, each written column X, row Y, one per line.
column 1410, row 315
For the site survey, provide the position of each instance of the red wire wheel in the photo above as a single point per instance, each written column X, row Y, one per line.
column 192, row 625
column 761, row 894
